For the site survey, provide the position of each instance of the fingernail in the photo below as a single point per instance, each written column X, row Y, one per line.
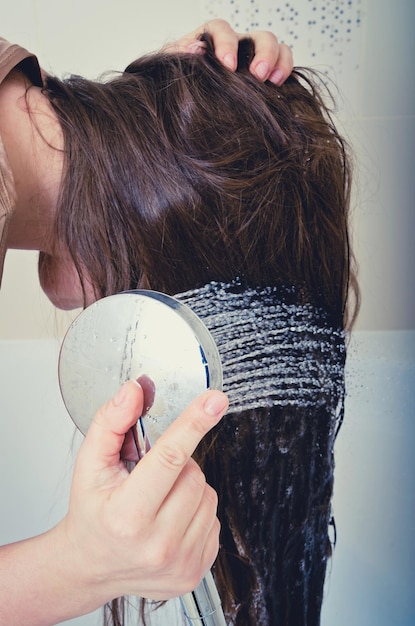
column 229, row 61
column 262, row 70
column 121, row 394
column 216, row 404
column 276, row 77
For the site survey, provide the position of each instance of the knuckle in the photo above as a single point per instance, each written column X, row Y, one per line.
column 193, row 571
column 265, row 37
column 188, row 582
column 211, row 496
column 172, row 456
column 214, row 541
column 289, row 54
column 195, row 474
column 198, row 425
column 216, row 22
column 163, row 555
column 196, row 578
column 121, row 529
column 273, row 38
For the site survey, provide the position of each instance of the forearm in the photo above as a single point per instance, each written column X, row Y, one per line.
column 41, row 584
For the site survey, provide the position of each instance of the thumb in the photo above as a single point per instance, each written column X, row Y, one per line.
column 112, row 421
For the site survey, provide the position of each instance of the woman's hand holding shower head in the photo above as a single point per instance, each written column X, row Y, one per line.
column 134, row 533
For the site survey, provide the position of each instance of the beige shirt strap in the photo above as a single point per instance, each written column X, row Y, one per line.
column 11, row 56
column 7, row 202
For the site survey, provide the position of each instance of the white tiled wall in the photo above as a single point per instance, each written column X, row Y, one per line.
column 367, row 46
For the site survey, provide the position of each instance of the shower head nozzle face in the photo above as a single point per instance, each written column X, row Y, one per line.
column 132, row 335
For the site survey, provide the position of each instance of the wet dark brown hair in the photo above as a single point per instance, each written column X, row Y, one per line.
column 179, row 172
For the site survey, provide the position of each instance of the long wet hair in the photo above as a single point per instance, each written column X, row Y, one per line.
column 177, row 173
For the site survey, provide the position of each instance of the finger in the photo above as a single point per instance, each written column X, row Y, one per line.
column 271, row 58
column 153, row 478
column 196, row 534
column 105, row 437
column 284, row 65
column 211, row 547
column 185, row 498
column 225, row 42
column 204, row 519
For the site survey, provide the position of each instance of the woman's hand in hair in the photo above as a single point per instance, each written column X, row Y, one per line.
column 272, row 61
column 152, row 532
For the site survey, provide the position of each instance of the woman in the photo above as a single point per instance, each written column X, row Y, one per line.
column 104, row 547
column 234, row 196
